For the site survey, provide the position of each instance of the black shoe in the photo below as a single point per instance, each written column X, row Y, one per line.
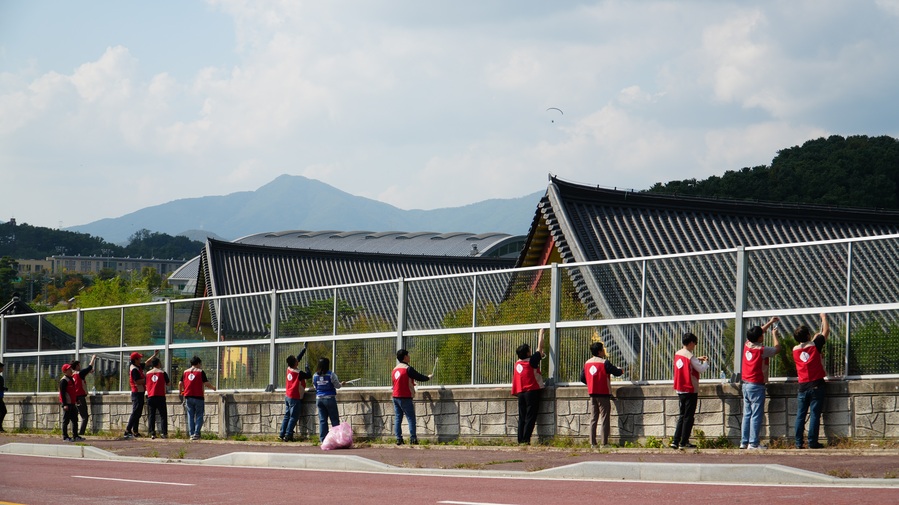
column 282, row 438
column 673, row 446
column 136, row 435
column 67, row 439
column 815, row 446
column 399, row 441
column 127, row 435
column 413, row 441
column 687, row 446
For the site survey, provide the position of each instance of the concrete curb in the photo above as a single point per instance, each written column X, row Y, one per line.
column 746, row 474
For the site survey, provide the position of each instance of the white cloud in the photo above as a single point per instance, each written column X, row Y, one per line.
column 426, row 106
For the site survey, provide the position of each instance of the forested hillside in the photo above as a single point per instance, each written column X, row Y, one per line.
column 856, row 171
column 23, row 241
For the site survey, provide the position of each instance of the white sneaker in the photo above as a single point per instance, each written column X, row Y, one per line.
column 758, row 447
column 743, row 446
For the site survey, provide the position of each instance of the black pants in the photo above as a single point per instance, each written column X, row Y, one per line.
column 69, row 415
column 528, row 405
column 2, row 413
column 137, row 408
column 157, row 404
column 686, row 403
column 82, row 411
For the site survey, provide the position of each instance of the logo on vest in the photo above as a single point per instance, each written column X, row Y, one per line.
column 519, row 368
column 396, row 375
column 804, row 356
column 593, row 370
column 748, row 355
column 289, row 376
column 191, row 376
column 679, row 363
column 155, row 378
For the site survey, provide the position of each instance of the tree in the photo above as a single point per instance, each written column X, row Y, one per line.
column 9, row 272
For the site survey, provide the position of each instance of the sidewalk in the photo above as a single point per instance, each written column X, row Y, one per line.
column 874, row 463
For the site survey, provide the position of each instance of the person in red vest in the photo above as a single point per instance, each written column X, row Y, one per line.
column 157, row 383
column 79, row 376
column 527, row 383
column 193, row 385
column 809, row 357
column 67, row 400
column 687, row 368
column 138, row 382
column 595, row 375
column 754, row 375
column 295, row 385
column 404, row 377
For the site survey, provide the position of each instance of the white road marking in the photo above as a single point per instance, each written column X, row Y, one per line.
column 131, row 480
column 472, row 503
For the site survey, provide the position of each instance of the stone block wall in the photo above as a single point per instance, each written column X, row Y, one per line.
column 857, row 409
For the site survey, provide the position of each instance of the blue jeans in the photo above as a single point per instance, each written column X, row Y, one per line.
column 327, row 409
column 291, row 417
column 196, row 408
column 753, row 411
column 809, row 402
column 401, row 407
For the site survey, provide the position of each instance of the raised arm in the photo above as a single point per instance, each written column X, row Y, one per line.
column 825, row 326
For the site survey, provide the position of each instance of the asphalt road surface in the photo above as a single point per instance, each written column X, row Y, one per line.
column 36, row 480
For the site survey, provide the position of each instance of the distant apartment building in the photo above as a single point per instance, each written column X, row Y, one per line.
column 94, row 264
column 27, row 267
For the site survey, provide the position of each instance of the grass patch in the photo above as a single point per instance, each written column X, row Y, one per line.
column 703, row 442
column 503, row 462
column 153, row 454
column 840, row 473
column 182, row 451
column 469, row 466
column 654, row 443
column 239, row 437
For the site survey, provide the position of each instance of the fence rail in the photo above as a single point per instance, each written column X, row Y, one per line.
column 465, row 328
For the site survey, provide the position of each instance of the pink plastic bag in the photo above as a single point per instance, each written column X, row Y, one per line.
column 339, row 437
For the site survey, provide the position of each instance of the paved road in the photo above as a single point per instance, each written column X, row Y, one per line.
column 870, row 463
column 40, row 480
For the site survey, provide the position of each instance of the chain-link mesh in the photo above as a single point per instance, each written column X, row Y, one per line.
column 780, row 281
column 704, row 284
column 796, row 277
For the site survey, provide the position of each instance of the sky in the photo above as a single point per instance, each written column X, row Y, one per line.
column 111, row 106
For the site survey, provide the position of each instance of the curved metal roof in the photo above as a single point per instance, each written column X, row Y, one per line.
column 389, row 242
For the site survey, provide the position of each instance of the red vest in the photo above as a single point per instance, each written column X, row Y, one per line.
column 403, row 386
column 809, row 363
column 155, row 383
column 136, row 388
column 597, row 378
column 295, row 385
column 66, row 397
column 753, row 365
column 193, row 382
column 684, row 374
column 525, row 378
column 79, row 385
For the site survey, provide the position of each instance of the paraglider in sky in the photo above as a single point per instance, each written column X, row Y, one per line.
column 555, row 108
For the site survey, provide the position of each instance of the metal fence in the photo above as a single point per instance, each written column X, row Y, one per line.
column 465, row 328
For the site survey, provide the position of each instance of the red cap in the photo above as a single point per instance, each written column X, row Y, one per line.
column 66, row 367
column 136, row 355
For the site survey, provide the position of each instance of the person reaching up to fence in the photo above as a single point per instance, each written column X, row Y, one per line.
column 67, row 400
column 193, row 385
column 809, row 357
column 595, row 375
column 326, row 385
column 295, row 385
column 687, row 368
column 754, row 375
column 79, row 377
column 404, row 377
column 527, row 384
column 138, row 381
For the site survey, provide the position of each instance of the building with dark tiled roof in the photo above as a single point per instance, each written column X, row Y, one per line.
column 577, row 223
column 228, row 268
